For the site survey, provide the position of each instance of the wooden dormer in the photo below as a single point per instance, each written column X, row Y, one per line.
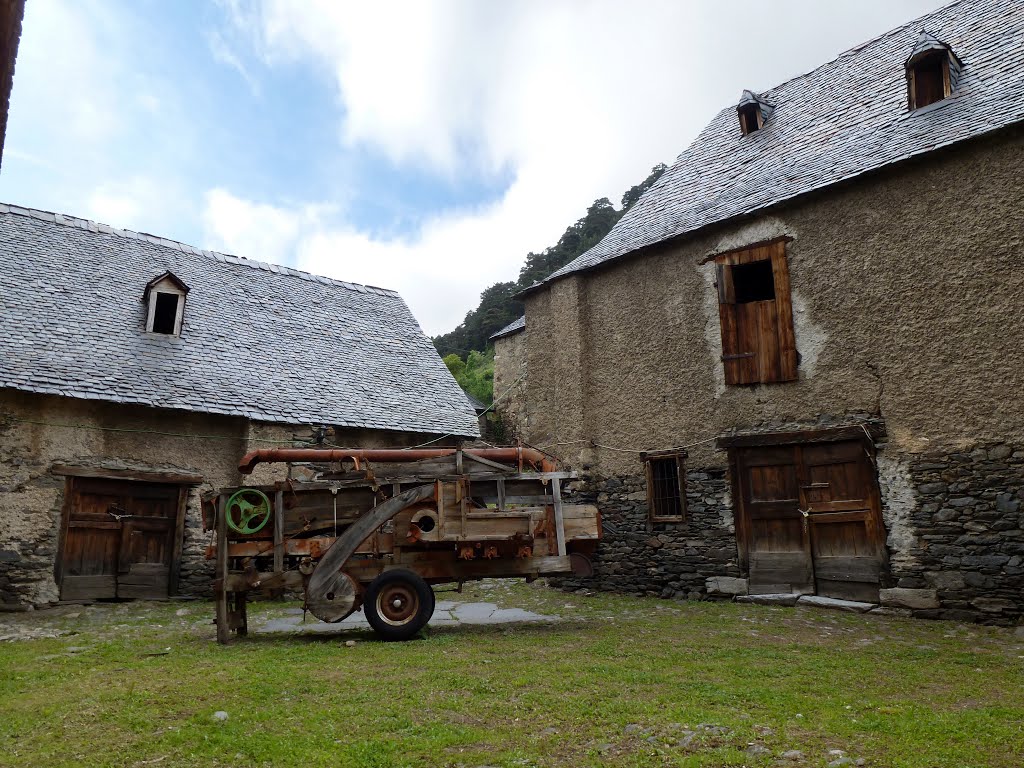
column 753, row 112
column 165, row 298
column 933, row 71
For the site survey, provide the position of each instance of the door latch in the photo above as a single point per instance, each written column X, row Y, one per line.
column 117, row 512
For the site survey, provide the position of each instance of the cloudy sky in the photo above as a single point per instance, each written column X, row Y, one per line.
column 420, row 146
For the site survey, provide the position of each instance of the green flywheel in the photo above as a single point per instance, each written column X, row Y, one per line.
column 248, row 510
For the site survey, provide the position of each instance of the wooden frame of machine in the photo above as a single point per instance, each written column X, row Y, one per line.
column 379, row 527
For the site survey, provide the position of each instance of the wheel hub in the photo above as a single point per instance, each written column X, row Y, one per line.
column 397, row 604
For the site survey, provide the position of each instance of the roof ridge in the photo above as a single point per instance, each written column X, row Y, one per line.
column 225, row 258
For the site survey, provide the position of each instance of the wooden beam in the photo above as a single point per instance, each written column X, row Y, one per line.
column 825, row 435
column 179, row 541
column 717, row 255
column 492, row 464
column 279, row 531
column 556, row 492
column 223, row 629
column 141, row 475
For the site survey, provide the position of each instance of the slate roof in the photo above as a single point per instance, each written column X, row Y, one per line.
column 512, row 328
column 258, row 340
column 843, row 119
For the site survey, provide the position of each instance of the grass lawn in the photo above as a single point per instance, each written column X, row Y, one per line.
column 617, row 681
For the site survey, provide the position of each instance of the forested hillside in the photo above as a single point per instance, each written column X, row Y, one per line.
column 497, row 306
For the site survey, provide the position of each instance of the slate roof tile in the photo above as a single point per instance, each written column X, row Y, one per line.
column 514, row 327
column 846, row 118
column 272, row 344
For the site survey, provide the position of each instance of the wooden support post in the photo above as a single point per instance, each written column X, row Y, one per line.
column 179, row 541
column 501, row 493
column 556, row 492
column 223, row 624
column 279, row 531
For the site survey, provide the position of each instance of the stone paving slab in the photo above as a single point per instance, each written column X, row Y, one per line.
column 446, row 613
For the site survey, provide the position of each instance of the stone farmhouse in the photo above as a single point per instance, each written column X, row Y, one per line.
column 136, row 371
column 796, row 367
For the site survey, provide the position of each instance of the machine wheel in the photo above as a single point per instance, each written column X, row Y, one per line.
column 398, row 604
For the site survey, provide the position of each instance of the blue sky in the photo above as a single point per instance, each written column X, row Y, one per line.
column 425, row 147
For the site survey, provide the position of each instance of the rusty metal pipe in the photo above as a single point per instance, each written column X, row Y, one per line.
column 520, row 455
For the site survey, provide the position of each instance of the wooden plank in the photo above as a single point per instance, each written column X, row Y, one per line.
column 279, row 531
column 556, row 492
column 492, row 464
column 223, row 629
column 501, row 493
column 864, row 569
column 784, row 316
column 735, row 253
column 65, row 516
column 179, row 541
column 174, row 478
column 731, row 352
column 88, row 587
column 826, row 435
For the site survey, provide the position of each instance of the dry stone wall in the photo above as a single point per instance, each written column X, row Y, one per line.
column 968, row 524
column 640, row 557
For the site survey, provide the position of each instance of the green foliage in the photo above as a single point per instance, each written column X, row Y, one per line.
column 498, row 306
column 475, row 374
column 497, row 309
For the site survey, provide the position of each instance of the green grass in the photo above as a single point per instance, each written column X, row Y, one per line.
column 619, row 681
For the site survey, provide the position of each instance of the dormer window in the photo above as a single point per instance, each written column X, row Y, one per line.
column 933, row 71
column 165, row 304
column 753, row 112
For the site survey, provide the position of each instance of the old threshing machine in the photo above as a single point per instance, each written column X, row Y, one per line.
column 377, row 528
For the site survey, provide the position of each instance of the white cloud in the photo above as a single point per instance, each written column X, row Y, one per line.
column 63, row 74
column 577, row 100
column 257, row 230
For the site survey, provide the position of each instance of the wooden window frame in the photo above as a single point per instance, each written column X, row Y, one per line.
column 751, row 119
column 654, row 514
column 912, row 79
column 772, row 356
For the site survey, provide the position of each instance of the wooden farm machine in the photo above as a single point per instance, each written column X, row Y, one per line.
column 380, row 527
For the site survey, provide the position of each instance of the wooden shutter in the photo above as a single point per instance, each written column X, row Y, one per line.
column 733, row 357
column 758, row 343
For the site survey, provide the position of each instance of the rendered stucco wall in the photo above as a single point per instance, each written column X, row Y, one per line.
column 906, row 289
column 510, row 382
column 906, row 292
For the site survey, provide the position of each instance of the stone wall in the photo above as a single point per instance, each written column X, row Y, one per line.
column 955, row 524
column 40, row 431
column 965, row 559
column 510, row 384
column 640, row 557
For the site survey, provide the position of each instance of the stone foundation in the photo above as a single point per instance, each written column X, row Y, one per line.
column 955, row 524
column 968, row 535
column 639, row 557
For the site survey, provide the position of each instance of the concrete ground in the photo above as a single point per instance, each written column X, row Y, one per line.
column 446, row 613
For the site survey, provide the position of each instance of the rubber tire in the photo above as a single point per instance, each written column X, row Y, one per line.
column 417, row 622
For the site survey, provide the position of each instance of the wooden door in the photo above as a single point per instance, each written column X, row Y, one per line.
column 840, row 496
column 119, row 539
column 778, row 552
column 810, row 520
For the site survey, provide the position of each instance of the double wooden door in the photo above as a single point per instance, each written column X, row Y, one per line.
column 810, row 519
column 122, row 539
